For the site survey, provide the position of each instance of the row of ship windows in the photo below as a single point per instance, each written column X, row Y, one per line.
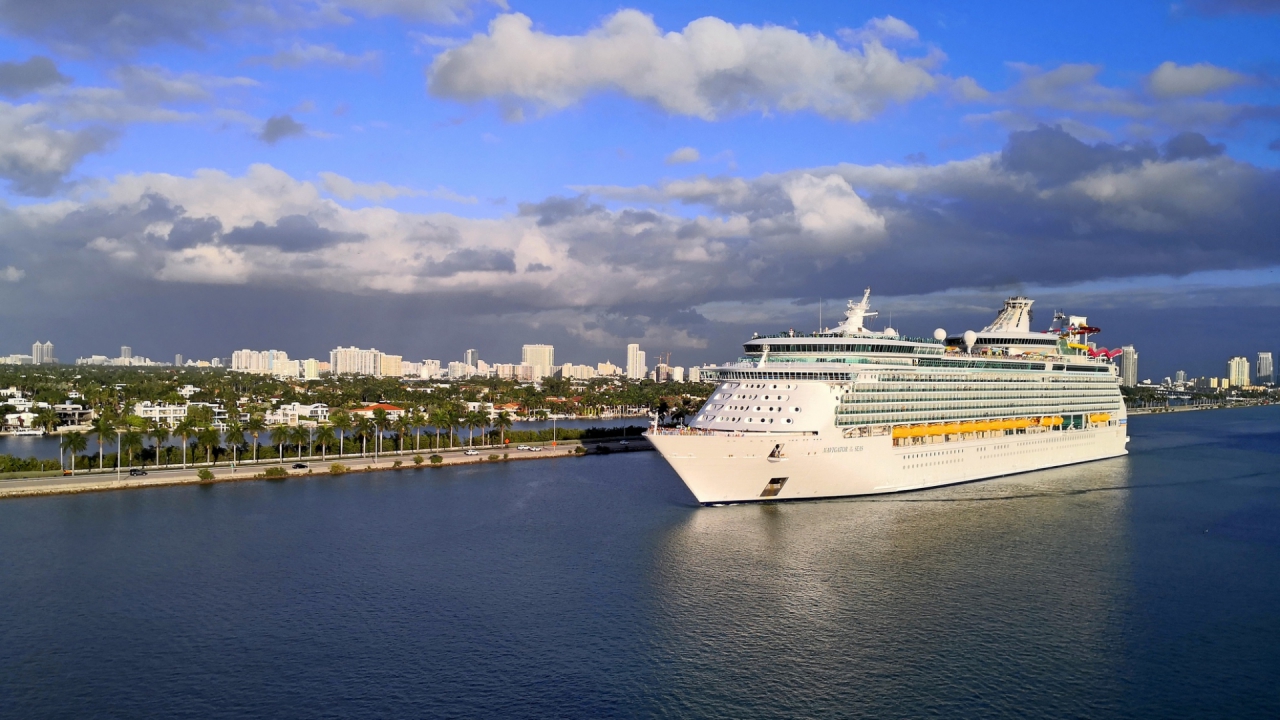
column 989, row 377
column 752, row 420
column 926, row 386
column 966, row 396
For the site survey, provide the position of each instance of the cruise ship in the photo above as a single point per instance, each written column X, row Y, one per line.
column 852, row 411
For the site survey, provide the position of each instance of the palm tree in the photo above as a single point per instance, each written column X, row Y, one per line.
column 416, row 420
column 255, row 427
column 208, row 438
column 160, row 433
column 131, row 440
column 504, row 423
column 324, row 438
column 280, row 434
column 302, row 438
column 234, row 437
column 102, row 426
column 364, row 428
column 471, row 421
column 185, row 430
column 438, row 419
column 47, row 418
column 381, row 422
column 75, row 442
column 403, row 423
column 343, row 423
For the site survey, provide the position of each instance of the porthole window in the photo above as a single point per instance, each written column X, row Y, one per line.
column 789, row 421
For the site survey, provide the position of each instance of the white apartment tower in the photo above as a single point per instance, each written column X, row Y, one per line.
column 472, row 358
column 42, row 353
column 354, row 361
column 636, row 369
column 1238, row 371
column 1128, row 366
column 542, row 358
column 1265, row 371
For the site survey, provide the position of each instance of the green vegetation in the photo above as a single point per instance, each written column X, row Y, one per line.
column 417, row 459
column 275, row 471
column 338, row 469
column 206, row 474
column 437, row 459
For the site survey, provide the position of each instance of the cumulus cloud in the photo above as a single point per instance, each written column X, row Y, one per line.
column 710, row 69
column 1171, row 98
column 34, row 156
column 301, row 54
column 12, row 274
column 1171, row 80
column 1048, row 209
column 684, row 155
column 21, row 78
column 279, row 127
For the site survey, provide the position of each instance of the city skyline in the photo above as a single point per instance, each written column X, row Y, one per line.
column 290, row 173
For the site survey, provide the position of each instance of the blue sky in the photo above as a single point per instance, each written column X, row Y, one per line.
column 431, row 175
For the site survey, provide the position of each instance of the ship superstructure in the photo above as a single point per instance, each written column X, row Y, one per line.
column 854, row 411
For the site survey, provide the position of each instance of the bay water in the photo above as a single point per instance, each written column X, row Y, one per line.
column 1144, row 586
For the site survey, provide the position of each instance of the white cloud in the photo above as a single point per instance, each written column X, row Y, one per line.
column 301, row 54
column 887, row 28
column 1171, row 80
column 710, row 69
column 348, row 189
column 35, row 156
column 684, row 155
column 12, row 274
column 436, row 11
column 828, row 208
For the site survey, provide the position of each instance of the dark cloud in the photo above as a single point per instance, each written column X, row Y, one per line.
column 1054, row 156
column 279, row 127
column 537, row 267
column 117, row 26
column 36, row 158
column 557, row 209
column 472, row 260
column 189, row 232
column 292, row 233
column 1190, row 146
column 19, row 78
column 1274, row 145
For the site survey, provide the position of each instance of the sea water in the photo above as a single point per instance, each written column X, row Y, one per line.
column 1143, row 586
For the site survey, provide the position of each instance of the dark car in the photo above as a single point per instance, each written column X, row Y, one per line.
column 137, row 471
column 299, row 466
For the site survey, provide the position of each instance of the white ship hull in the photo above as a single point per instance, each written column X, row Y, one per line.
column 729, row 468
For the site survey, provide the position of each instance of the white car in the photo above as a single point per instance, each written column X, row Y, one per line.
column 533, row 449
column 523, row 447
column 471, row 452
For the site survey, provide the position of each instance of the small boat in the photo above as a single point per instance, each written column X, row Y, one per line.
column 21, row 432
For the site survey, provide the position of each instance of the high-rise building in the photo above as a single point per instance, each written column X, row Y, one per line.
column 311, row 369
column 126, row 352
column 177, row 360
column 1238, row 371
column 354, row 361
column 391, row 366
column 1265, row 371
column 636, row 369
column 42, row 353
column 1128, row 366
column 472, row 358
column 1180, row 377
column 542, row 358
